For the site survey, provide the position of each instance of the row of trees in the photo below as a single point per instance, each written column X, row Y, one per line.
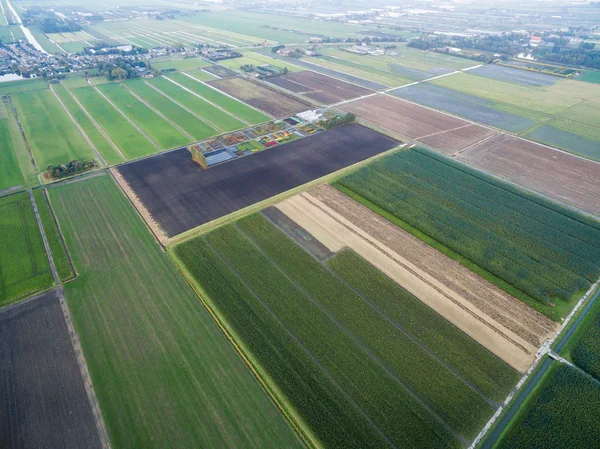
column 337, row 120
column 72, row 168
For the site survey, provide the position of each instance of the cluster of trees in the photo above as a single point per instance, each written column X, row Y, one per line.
column 337, row 121
column 575, row 56
column 72, row 168
column 121, row 68
column 508, row 44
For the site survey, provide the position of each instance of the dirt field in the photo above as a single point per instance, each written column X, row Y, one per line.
column 568, row 178
column 272, row 102
column 43, row 403
column 321, row 88
column 179, row 195
column 502, row 324
column 440, row 131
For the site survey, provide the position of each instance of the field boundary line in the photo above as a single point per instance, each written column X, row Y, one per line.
column 485, row 139
column 300, row 344
column 305, row 195
column 157, row 112
column 545, row 349
column 183, row 107
column 85, row 375
column 222, row 93
column 113, row 36
column 27, row 147
column 445, row 131
column 94, row 122
column 208, row 101
column 127, row 118
column 90, row 143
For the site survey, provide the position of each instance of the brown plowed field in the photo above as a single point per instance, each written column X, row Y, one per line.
column 435, row 129
column 499, row 322
column 568, row 178
column 43, row 401
column 321, row 88
column 272, row 102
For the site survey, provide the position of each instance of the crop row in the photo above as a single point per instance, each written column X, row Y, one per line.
column 586, row 352
column 565, row 415
column 460, row 219
column 488, row 373
column 465, row 410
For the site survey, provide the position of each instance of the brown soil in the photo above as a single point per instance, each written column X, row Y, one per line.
column 501, row 323
column 568, row 178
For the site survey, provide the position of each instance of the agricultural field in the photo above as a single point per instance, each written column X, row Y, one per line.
column 24, row 267
column 220, row 71
column 236, row 108
column 159, row 130
column 201, row 75
column 179, row 195
column 214, row 116
column 163, row 372
column 10, row 169
column 271, row 102
column 131, row 143
column 320, row 88
column 296, row 342
column 561, row 176
column 53, row 137
column 109, row 153
column 590, row 77
column 505, row 326
column 43, row 397
column 564, row 413
column 256, row 59
column 572, row 142
column 440, row 131
column 546, row 252
column 585, row 352
column 184, row 119
column 180, row 64
column 23, row 86
column 515, row 76
column 469, row 106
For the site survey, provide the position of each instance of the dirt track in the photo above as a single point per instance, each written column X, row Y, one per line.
column 504, row 325
column 568, row 178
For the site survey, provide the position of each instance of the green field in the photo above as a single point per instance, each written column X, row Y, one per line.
column 231, row 105
column 128, row 139
column 74, row 82
column 23, row 86
column 24, row 267
column 343, row 366
column 201, row 75
column 163, row 372
column 256, row 59
column 585, row 351
column 590, row 77
column 59, row 255
column 108, row 152
column 198, row 129
column 213, row 115
column 565, row 414
column 548, row 253
column 158, row 129
column 10, row 169
column 179, row 64
column 53, row 137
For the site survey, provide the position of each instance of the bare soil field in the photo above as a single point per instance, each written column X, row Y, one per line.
column 179, row 195
column 43, row 402
column 272, row 102
column 446, row 133
column 321, row 88
column 504, row 325
column 560, row 175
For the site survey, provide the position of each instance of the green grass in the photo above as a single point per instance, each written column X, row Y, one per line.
column 10, row 170
column 179, row 64
column 23, row 86
column 587, row 112
column 335, row 359
column 158, row 129
column 201, row 75
column 163, row 372
column 24, row 267
column 44, row 41
column 585, row 349
column 17, row 145
column 548, row 254
column 126, row 137
column 590, row 77
column 53, row 137
column 73, row 82
column 110, row 155
column 198, row 129
column 488, row 373
column 231, row 105
column 216, row 117
column 549, row 101
column 59, row 255
column 256, row 59
column 563, row 415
